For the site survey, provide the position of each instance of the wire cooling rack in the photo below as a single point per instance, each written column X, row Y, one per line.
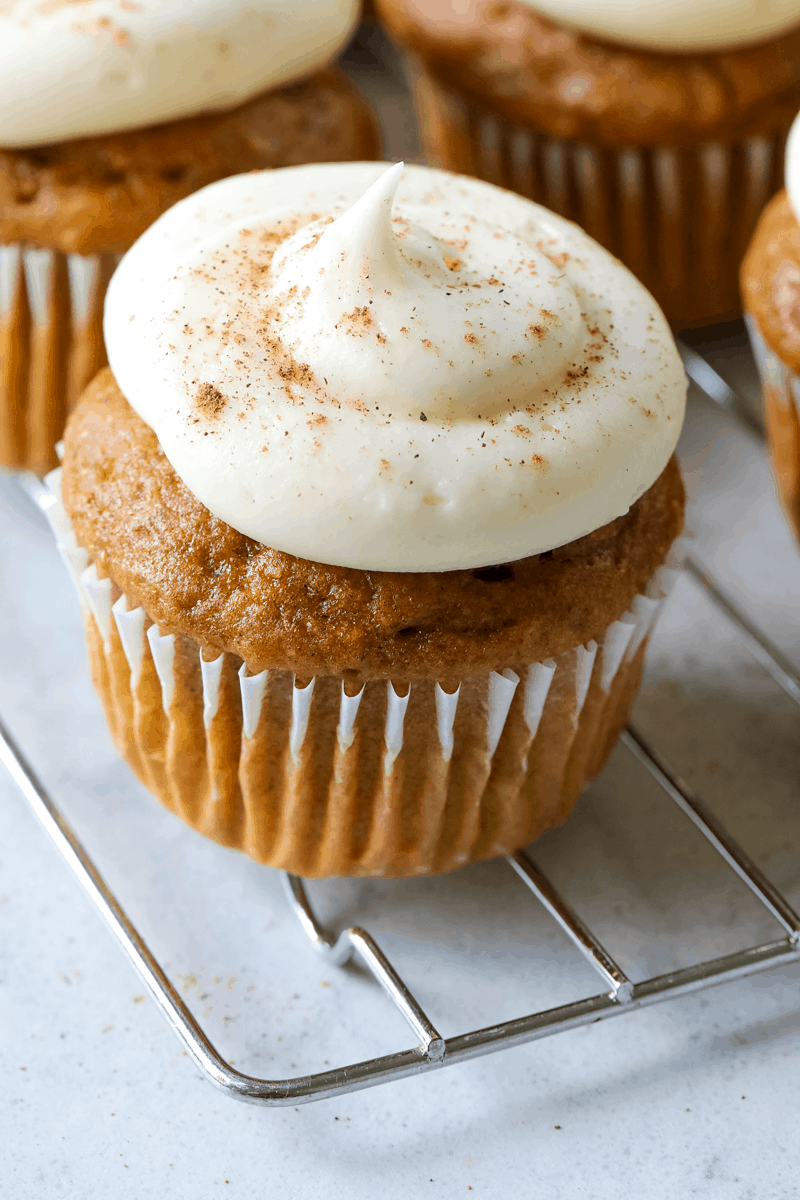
column 431, row 1051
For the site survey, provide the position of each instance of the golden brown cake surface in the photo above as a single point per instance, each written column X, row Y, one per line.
column 770, row 278
column 97, row 195
column 195, row 575
column 571, row 85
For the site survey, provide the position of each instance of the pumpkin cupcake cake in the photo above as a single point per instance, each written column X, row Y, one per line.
column 110, row 112
column 659, row 127
column 771, row 295
column 372, row 513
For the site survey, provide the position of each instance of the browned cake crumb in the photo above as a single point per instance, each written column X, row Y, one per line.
column 97, row 195
column 196, row 575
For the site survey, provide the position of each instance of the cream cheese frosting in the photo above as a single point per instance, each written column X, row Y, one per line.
column 687, row 26
column 393, row 370
column 792, row 169
column 75, row 68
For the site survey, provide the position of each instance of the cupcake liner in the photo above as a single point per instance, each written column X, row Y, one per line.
column 51, row 345
column 679, row 217
column 781, row 398
column 304, row 775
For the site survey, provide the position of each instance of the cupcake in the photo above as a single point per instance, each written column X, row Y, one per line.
column 657, row 127
column 374, row 514
column 110, row 112
column 770, row 278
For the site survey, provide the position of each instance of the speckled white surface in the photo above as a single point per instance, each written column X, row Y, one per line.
column 692, row 1098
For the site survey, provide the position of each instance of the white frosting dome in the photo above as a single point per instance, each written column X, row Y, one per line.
column 675, row 25
column 74, row 68
column 443, row 376
column 793, row 166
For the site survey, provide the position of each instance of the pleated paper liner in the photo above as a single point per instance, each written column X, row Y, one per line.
column 679, row 217
column 51, row 345
column 304, row 776
column 780, row 389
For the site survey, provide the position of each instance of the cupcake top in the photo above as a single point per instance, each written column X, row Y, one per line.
column 414, row 372
column 533, row 69
column 77, row 68
column 682, row 26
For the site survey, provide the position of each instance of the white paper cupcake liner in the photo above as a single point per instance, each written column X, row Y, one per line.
column 304, row 776
column 51, row 345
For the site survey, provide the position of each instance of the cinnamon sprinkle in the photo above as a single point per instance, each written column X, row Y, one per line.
column 210, row 401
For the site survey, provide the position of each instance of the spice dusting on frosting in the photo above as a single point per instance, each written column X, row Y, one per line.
column 327, row 306
column 210, row 401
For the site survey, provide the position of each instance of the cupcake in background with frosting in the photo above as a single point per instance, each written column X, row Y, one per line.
column 110, row 112
column 373, row 517
column 659, row 127
column 770, row 278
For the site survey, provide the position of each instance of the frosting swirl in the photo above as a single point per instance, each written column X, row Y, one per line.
column 85, row 67
column 398, row 374
column 675, row 25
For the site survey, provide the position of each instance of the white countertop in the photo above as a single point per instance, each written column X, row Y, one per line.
column 694, row 1097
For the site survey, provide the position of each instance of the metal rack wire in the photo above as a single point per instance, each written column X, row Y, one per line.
column 430, row 1050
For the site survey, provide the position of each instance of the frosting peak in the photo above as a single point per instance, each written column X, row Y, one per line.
column 392, row 315
column 353, row 245
column 395, row 371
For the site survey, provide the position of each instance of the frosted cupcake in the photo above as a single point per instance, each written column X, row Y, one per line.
column 771, row 295
column 110, row 111
column 658, row 127
column 374, row 514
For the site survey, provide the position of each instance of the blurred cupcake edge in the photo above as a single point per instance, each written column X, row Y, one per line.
column 79, row 182
column 664, row 157
column 770, row 277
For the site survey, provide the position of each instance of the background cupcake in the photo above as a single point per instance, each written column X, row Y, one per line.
column 770, row 279
column 110, row 111
column 657, row 127
column 374, row 520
